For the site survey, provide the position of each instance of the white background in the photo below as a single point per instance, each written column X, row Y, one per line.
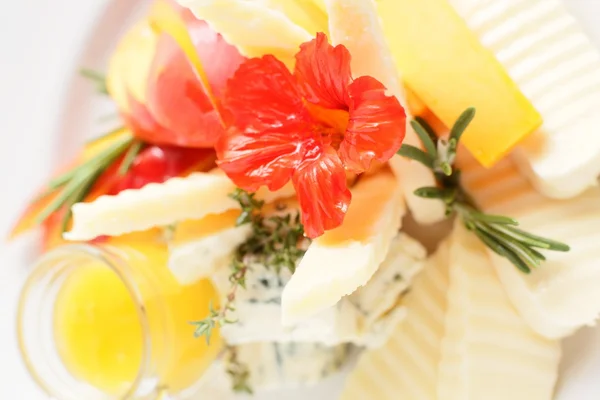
column 42, row 44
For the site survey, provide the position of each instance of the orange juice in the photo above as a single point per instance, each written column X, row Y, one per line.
column 120, row 320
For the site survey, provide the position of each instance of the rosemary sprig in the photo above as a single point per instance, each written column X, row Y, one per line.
column 74, row 185
column 238, row 372
column 95, row 77
column 276, row 242
column 499, row 233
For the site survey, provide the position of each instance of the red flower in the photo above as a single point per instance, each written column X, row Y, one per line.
column 310, row 126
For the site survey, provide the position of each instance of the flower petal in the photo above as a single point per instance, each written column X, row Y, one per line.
column 177, row 100
column 263, row 95
column 377, row 125
column 323, row 194
column 267, row 159
column 323, row 72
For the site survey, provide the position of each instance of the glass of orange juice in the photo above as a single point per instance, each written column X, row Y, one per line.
column 109, row 321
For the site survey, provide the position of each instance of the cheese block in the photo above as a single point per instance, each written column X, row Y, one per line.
column 253, row 27
column 442, row 61
column 287, row 365
column 489, row 351
column 345, row 258
column 355, row 24
column 198, row 248
column 215, row 384
column 304, row 13
column 159, row 204
column 407, row 365
column 556, row 65
column 562, row 294
column 367, row 317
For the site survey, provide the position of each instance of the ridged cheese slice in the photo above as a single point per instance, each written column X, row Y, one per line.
column 159, row 204
column 562, row 294
column 556, row 65
column 356, row 25
column 489, row 352
column 253, row 27
column 407, row 365
column 304, row 13
column 343, row 259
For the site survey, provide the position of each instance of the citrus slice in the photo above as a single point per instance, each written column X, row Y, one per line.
column 355, row 24
column 254, row 28
column 343, row 259
column 407, row 365
column 489, row 352
column 177, row 199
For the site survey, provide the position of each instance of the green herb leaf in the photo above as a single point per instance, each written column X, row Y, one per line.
column 414, row 153
column 97, row 78
column 497, row 232
column 130, row 156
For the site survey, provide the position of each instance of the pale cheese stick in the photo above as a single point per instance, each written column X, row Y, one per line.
column 489, row 352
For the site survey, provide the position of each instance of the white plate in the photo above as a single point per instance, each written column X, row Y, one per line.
column 47, row 110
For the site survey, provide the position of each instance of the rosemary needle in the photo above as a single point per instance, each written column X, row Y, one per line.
column 499, row 233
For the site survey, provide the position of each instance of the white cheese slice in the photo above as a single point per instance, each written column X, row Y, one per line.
column 407, row 365
column 159, row 204
column 367, row 317
column 345, row 258
column 555, row 64
column 356, row 25
column 488, row 351
column 255, row 29
column 562, row 294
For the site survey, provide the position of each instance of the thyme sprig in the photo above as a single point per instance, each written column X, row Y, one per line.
column 499, row 233
column 238, row 372
column 276, row 242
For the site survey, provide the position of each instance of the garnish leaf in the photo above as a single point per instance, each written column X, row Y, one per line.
column 497, row 232
column 97, row 78
column 277, row 242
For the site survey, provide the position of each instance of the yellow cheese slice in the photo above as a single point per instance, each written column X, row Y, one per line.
column 304, row 13
column 442, row 61
column 562, row 294
column 489, row 352
column 343, row 259
column 254, row 28
column 159, row 204
column 355, row 24
column 407, row 365
column 557, row 66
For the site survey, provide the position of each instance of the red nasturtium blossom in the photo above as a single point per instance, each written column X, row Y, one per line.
column 309, row 126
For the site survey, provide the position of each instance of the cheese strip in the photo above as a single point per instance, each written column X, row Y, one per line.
column 159, row 204
column 255, row 29
column 367, row 317
column 446, row 66
column 562, row 294
column 489, row 352
column 555, row 64
column 304, row 13
column 406, row 366
column 345, row 258
column 355, row 24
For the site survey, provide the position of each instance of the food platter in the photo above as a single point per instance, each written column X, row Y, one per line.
column 74, row 110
